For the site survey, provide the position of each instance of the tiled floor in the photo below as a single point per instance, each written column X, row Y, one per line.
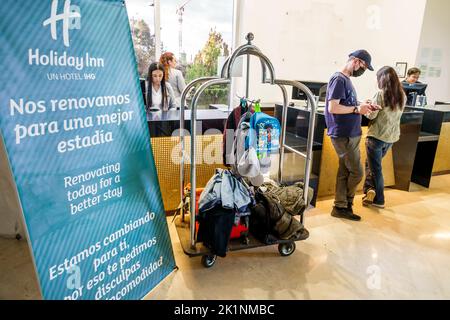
column 401, row 252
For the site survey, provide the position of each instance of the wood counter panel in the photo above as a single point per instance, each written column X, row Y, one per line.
column 442, row 160
column 330, row 162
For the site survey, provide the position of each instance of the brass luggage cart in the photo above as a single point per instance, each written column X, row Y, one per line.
column 185, row 222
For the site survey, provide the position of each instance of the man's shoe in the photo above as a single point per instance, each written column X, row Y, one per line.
column 344, row 213
column 350, row 207
column 368, row 198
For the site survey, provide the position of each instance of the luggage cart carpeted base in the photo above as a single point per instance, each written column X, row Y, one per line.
column 285, row 247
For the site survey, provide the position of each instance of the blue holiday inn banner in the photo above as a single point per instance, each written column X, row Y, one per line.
column 74, row 126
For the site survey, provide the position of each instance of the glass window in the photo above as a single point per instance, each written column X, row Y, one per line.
column 197, row 32
column 142, row 25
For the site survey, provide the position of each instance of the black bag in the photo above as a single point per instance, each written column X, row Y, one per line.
column 214, row 229
column 260, row 224
column 229, row 132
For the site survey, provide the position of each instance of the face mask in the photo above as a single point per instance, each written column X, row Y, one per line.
column 359, row 72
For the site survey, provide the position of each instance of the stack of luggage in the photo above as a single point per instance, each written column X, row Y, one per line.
column 243, row 198
column 223, row 210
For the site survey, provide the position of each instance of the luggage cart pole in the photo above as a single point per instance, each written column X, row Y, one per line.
column 251, row 50
column 194, row 150
column 249, row 39
column 283, row 133
column 182, row 119
column 310, row 138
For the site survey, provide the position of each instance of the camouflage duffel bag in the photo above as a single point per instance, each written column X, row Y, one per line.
column 290, row 197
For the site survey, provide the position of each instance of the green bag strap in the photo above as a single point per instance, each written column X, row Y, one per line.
column 257, row 107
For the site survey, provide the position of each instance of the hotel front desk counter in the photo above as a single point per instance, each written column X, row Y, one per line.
column 397, row 164
column 400, row 166
column 433, row 151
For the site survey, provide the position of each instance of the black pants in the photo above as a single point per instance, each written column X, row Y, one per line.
column 215, row 229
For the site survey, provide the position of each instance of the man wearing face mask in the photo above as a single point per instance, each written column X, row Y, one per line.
column 343, row 119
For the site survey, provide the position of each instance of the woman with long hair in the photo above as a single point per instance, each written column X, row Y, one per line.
column 173, row 76
column 160, row 94
column 384, row 130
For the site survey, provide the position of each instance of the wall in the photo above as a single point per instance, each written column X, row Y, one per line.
column 433, row 56
column 311, row 39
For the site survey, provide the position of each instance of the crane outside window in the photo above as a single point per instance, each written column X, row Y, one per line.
column 180, row 12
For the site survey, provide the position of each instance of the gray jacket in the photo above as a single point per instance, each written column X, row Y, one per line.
column 177, row 82
column 225, row 190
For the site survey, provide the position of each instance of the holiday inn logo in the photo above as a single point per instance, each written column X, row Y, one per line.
column 70, row 17
column 61, row 23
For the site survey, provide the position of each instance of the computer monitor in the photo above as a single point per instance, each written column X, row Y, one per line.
column 143, row 90
column 412, row 91
column 318, row 89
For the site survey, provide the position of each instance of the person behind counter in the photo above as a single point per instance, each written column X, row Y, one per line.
column 384, row 130
column 343, row 120
column 412, row 76
column 160, row 96
column 173, row 76
column 414, row 87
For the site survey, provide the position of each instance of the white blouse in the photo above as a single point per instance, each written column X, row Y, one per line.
column 156, row 98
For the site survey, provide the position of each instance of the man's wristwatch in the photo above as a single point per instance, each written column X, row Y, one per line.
column 356, row 110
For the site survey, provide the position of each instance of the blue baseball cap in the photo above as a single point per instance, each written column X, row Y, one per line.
column 364, row 56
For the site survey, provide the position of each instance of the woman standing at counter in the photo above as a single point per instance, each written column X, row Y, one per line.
column 172, row 75
column 384, row 130
column 160, row 94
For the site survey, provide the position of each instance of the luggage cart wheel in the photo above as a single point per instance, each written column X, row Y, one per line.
column 286, row 249
column 208, row 260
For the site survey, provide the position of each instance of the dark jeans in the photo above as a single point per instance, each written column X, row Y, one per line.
column 350, row 172
column 376, row 150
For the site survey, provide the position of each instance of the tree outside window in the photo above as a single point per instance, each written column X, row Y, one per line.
column 205, row 35
column 144, row 45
